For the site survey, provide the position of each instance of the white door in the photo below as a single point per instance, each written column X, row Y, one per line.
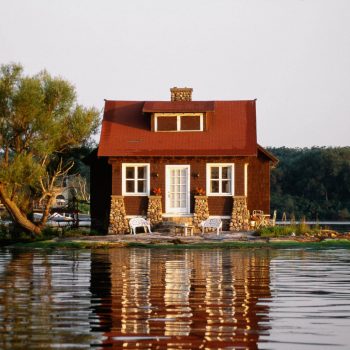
column 178, row 189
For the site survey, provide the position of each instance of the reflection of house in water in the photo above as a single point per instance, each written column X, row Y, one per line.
column 215, row 298
column 45, row 303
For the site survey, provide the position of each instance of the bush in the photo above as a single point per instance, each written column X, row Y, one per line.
column 277, row 231
column 286, row 230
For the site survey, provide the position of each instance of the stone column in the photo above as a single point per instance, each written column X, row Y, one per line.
column 201, row 209
column 118, row 223
column 154, row 210
column 240, row 214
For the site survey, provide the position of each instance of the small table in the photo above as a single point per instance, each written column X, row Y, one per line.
column 185, row 228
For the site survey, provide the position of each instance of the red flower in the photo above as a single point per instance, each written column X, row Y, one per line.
column 157, row 191
column 199, row 191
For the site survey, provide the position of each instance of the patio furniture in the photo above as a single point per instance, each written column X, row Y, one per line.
column 213, row 223
column 139, row 222
column 185, row 228
column 260, row 219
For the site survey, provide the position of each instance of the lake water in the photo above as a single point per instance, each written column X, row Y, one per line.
column 175, row 299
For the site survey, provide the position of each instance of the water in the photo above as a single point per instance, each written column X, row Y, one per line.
column 168, row 299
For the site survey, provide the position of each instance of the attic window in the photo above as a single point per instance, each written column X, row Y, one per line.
column 178, row 122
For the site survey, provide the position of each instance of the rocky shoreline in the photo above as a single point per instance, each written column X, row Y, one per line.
column 168, row 240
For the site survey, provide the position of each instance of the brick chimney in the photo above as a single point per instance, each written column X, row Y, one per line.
column 181, row 94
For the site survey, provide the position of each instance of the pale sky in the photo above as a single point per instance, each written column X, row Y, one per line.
column 293, row 56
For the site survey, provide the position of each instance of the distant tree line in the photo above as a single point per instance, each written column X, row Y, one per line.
column 311, row 182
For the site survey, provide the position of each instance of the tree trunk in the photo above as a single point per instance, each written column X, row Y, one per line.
column 46, row 211
column 16, row 213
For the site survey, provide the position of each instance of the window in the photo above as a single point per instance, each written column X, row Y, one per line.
column 178, row 122
column 135, row 179
column 167, row 123
column 220, row 179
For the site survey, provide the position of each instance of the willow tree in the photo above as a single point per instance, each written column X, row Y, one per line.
column 40, row 120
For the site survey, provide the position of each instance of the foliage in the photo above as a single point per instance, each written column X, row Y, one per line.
column 314, row 182
column 40, row 123
column 286, row 230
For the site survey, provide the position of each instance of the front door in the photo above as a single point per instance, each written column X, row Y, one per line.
column 178, row 189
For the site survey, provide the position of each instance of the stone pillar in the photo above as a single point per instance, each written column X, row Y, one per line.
column 201, row 210
column 118, row 223
column 240, row 214
column 154, row 210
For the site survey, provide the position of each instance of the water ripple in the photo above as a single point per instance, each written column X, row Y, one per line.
column 163, row 299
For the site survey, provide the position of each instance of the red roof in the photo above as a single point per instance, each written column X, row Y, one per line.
column 179, row 106
column 126, row 130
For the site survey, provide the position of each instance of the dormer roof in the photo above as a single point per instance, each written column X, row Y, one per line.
column 179, row 106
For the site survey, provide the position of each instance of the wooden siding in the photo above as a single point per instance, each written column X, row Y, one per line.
column 259, row 184
column 258, row 181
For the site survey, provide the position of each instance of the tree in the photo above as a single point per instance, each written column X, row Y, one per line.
column 40, row 120
column 312, row 182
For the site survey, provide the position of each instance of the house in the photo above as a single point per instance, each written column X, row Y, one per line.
column 168, row 160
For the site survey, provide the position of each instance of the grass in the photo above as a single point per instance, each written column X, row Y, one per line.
column 51, row 244
column 326, row 244
column 288, row 230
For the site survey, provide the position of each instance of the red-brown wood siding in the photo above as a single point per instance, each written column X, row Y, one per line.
column 259, row 184
column 239, row 178
column 258, row 181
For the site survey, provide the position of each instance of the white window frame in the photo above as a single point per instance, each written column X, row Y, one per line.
column 137, row 194
column 208, row 178
column 178, row 121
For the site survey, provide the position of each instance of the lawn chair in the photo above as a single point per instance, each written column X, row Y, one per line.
column 139, row 222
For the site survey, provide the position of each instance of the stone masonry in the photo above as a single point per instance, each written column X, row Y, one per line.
column 118, row 223
column 154, row 210
column 201, row 210
column 181, row 94
column 240, row 214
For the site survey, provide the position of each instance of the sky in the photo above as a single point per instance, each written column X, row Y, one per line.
column 293, row 56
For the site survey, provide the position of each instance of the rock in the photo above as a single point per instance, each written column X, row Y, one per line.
column 154, row 210
column 201, row 210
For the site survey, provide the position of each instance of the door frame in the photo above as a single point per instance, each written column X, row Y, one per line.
column 167, row 188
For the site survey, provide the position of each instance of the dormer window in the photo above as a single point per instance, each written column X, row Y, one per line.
column 178, row 122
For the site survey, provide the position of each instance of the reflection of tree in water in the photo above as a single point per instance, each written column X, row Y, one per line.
column 43, row 303
column 199, row 298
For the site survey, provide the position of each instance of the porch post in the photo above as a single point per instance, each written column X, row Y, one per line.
column 154, row 210
column 118, row 224
column 201, row 210
column 240, row 214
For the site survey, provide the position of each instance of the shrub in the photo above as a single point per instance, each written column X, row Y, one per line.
column 276, row 231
